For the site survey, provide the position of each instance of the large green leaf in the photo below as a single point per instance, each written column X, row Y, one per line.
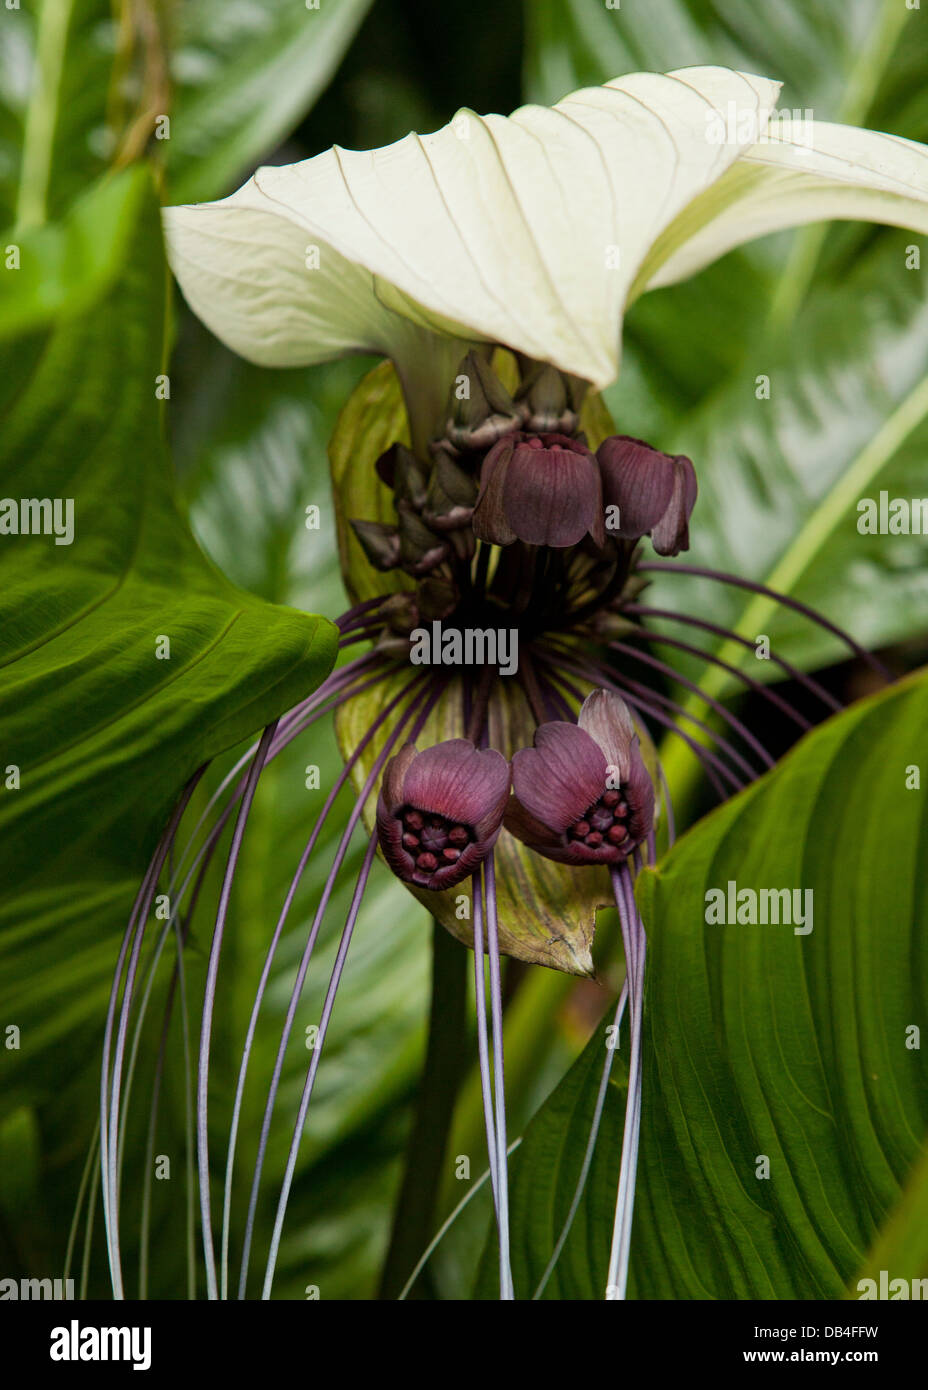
column 763, row 1042
column 103, row 731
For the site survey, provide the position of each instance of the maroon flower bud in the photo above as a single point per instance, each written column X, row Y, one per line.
column 381, row 543
column 542, row 489
column 655, row 493
column 550, row 400
column 451, row 495
column 583, row 795
column 420, row 549
column 403, row 474
column 439, row 811
column 485, row 412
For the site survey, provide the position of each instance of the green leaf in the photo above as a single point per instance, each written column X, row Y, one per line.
column 373, row 418
column 763, row 1042
column 244, row 76
column 65, row 268
column 101, row 732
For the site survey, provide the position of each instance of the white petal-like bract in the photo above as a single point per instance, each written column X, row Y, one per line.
column 533, row 231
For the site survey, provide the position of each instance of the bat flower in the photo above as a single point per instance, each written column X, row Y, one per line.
column 542, row 489
column 582, row 794
column 440, row 811
column 654, row 493
column 510, row 246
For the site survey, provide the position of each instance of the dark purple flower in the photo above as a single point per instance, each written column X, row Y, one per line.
column 583, row 794
column 542, row 489
column 440, row 811
column 654, row 492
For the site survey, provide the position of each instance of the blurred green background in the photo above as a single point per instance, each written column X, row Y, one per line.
column 833, row 315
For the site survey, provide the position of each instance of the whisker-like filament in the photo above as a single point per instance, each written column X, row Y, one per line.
column 689, row 620
column 421, row 705
column 672, row 674
column 711, row 763
column 128, row 959
column 499, row 1083
column 788, row 602
column 305, row 1098
column 483, row 1047
column 766, row 692
column 590, row 1145
column 633, row 939
column 209, row 997
column 269, row 958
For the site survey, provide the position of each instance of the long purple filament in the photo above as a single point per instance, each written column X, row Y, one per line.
column 134, row 933
column 633, row 939
column 268, row 961
column 209, row 999
column 719, row 708
column 430, row 699
column 723, row 578
column 812, row 685
column 764, row 691
column 327, row 1007
column 496, row 1016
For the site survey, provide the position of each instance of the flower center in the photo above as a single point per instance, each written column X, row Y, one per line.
column 605, row 822
column 433, row 840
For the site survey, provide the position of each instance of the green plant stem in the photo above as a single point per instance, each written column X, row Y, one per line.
column 445, row 1059
column 42, row 115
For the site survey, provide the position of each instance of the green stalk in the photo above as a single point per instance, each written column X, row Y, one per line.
column 42, row 114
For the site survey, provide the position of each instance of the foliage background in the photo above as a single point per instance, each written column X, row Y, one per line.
column 832, row 315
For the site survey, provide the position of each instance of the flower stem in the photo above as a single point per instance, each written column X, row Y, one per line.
column 442, row 1075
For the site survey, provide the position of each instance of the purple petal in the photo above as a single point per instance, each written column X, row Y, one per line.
column 453, row 779
column 558, row 779
column 639, row 793
column 391, row 790
column 605, row 717
column 489, row 520
column 638, row 480
column 552, row 495
column 671, row 533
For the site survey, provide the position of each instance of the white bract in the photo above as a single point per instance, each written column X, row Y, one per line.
column 534, row 231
